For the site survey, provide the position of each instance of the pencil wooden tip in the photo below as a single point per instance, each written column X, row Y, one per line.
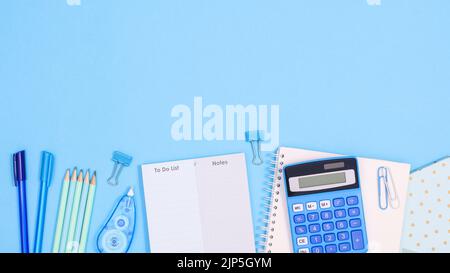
column 94, row 179
column 74, row 175
column 80, row 177
column 67, row 176
column 86, row 177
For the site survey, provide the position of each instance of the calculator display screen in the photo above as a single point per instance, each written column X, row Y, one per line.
column 321, row 180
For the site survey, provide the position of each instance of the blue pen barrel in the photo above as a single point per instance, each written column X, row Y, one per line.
column 20, row 177
column 46, row 176
column 23, row 216
column 40, row 219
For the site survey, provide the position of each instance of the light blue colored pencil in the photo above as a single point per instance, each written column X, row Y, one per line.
column 68, row 211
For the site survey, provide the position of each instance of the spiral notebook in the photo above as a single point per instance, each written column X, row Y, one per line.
column 384, row 228
column 199, row 205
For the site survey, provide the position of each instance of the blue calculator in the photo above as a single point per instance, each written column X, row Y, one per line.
column 325, row 206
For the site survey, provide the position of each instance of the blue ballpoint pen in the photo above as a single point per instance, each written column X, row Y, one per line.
column 46, row 178
column 19, row 181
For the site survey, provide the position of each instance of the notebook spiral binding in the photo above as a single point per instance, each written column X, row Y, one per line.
column 270, row 202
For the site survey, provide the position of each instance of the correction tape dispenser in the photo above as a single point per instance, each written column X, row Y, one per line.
column 117, row 234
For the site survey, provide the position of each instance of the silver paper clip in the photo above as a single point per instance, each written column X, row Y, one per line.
column 387, row 192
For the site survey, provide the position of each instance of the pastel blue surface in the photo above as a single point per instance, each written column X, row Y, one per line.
column 84, row 81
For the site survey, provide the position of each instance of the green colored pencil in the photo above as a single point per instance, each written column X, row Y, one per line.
column 68, row 212
column 61, row 212
column 71, row 245
column 87, row 214
column 82, row 209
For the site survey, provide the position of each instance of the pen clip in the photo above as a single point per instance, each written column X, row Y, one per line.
column 19, row 167
column 47, row 160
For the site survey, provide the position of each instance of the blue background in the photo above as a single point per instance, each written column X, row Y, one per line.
column 84, row 81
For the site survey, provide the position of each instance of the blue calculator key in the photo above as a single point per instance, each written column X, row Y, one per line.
column 341, row 224
column 313, row 217
column 353, row 212
column 338, row 202
column 342, row 236
column 340, row 213
column 328, row 226
column 314, row 228
column 352, row 200
column 344, row 247
column 329, row 237
column 357, row 240
column 300, row 230
column 317, row 249
column 315, row 239
column 326, row 215
column 299, row 218
column 354, row 223
column 331, row 249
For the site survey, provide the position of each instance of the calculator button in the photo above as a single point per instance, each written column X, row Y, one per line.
column 326, row 215
column 352, row 201
column 354, row 223
column 297, row 207
column 340, row 213
column 339, row 202
column 314, row 228
column 342, row 236
column 302, row 241
column 313, row 217
column 311, row 206
column 315, row 239
column 327, row 226
column 344, row 247
column 300, row 230
column 300, row 218
column 341, row 224
column 357, row 240
column 317, row 249
column 325, row 204
column 331, row 249
column 353, row 212
column 330, row 237
column 303, row 250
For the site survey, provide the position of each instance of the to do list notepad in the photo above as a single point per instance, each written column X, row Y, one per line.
column 199, row 205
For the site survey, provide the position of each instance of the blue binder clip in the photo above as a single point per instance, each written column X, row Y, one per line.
column 255, row 138
column 120, row 160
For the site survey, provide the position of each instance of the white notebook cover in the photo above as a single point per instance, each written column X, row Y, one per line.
column 199, row 205
column 384, row 228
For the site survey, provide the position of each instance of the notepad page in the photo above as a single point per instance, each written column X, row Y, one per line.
column 224, row 201
column 199, row 205
column 173, row 212
column 384, row 228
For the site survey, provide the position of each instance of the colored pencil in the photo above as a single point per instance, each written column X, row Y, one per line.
column 82, row 209
column 71, row 245
column 61, row 212
column 88, row 214
column 68, row 212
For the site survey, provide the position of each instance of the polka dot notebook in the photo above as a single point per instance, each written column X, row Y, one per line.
column 427, row 214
